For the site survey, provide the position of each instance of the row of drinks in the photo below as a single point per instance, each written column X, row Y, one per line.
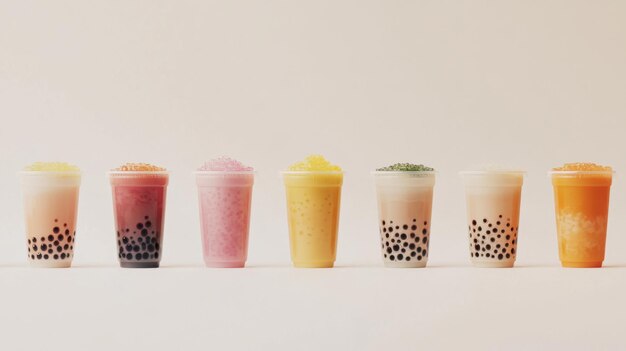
column 313, row 190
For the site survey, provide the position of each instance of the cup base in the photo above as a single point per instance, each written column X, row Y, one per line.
column 313, row 264
column 225, row 264
column 493, row 264
column 405, row 264
column 139, row 264
column 581, row 264
column 51, row 264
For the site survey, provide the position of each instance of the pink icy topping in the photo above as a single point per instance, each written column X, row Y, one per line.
column 225, row 164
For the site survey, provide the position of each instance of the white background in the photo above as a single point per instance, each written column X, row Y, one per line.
column 366, row 83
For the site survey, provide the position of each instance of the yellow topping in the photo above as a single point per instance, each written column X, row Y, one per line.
column 314, row 163
column 139, row 167
column 51, row 167
column 584, row 166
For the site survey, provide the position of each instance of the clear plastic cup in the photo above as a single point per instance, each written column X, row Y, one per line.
column 139, row 209
column 50, row 208
column 313, row 201
column 225, row 201
column 405, row 201
column 493, row 206
column 581, row 200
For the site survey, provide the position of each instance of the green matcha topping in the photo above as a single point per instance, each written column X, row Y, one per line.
column 406, row 167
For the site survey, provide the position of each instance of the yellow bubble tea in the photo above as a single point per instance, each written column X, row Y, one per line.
column 313, row 190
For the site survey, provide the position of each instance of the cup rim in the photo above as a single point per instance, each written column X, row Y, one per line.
column 398, row 173
column 551, row 173
column 494, row 172
column 313, row 172
column 117, row 173
column 58, row 173
column 223, row 172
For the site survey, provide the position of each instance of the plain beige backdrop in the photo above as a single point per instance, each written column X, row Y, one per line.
column 366, row 83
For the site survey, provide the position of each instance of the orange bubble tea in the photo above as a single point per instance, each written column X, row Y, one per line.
column 581, row 196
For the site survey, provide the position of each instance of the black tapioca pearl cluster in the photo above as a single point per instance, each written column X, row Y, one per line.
column 405, row 242
column 58, row 245
column 492, row 239
column 143, row 244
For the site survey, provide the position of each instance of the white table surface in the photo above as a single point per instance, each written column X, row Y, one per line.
column 366, row 307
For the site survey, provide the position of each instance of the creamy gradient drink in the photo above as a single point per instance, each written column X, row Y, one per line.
column 493, row 202
column 224, row 195
column 581, row 198
column 313, row 190
column 139, row 206
column 405, row 197
column 50, row 207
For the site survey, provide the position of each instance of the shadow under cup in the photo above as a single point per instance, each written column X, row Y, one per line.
column 493, row 206
column 404, row 212
column 139, row 209
column 225, row 201
column 50, row 208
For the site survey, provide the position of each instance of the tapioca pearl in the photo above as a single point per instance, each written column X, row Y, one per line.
column 139, row 226
column 424, row 231
column 403, row 236
column 419, row 257
column 405, row 227
column 513, row 241
column 136, row 248
column 425, row 222
column 405, row 244
column 144, row 232
column 156, row 246
column 504, row 250
column 56, row 230
column 400, row 256
column 50, row 237
column 389, row 250
column 419, row 249
column 508, row 224
column 488, row 247
column 50, row 250
column 66, row 246
column 63, row 255
column 144, row 246
column 387, row 235
column 70, row 239
column 492, row 240
column 32, row 257
column 489, row 225
column 403, row 250
column 512, row 229
column 473, row 222
column 129, row 256
column 412, row 235
column 386, row 244
column 397, row 227
column 413, row 254
column 484, row 220
column 424, row 240
column 392, row 257
column 474, row 230
column 39, row 256
column 487, row 255
column 56, row 257
column 153, row 240
column 513, row 251
column 59, row 249
column 413, row 227
column 480, row 229
column 35, row 248
column 412, row 246
column 477, row 247
column 396, row 247
column 508, row 256
column 508, row 237
column 397, row 235
column 156, row 255
column 488, row 232
column 129, row 247
column 60, row 237
column 393, row 240
column 475, row 241
column 71, row 247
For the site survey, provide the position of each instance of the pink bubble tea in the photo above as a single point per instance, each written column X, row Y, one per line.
column 224, row 195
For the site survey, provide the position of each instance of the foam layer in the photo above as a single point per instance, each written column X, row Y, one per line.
column 51, row 167
column 138, row 167
column 314, row 163
column 225, row 164
column 582, row 167
column 406, row 167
